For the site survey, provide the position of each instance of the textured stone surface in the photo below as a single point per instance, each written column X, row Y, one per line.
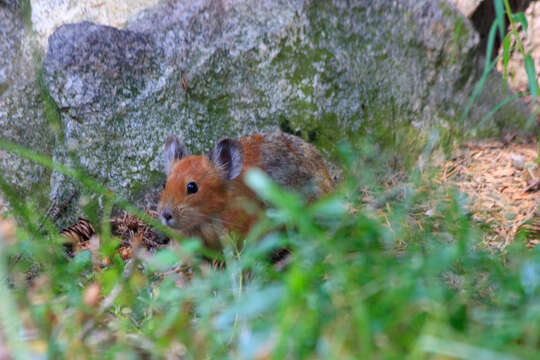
column 10, row 38
column 206, row 69
column 10, row 4
column 22, row 117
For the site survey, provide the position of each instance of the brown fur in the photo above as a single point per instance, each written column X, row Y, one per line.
column 218, row 205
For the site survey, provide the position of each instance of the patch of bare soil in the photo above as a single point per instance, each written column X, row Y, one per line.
column 502, row 181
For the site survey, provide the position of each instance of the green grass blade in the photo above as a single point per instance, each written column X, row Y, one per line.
column 531, row 76
column 506, row 55
column 488, row 66
column 499, row 16
column 497, row 107
column 520, row 18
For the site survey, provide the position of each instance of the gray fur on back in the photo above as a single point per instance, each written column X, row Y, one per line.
column 295, row 164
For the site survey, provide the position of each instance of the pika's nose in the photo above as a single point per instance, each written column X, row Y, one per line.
column 166, row 216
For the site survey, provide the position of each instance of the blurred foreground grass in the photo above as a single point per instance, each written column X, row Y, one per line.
column 376, row 272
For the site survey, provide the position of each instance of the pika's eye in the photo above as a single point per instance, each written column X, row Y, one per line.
column 192, row 188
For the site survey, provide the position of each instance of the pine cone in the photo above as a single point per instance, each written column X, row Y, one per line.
column 78, row 236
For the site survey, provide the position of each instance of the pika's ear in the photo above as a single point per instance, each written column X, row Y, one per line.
column 174, row 150
column 228, row 156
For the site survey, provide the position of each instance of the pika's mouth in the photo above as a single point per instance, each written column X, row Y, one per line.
column 183, row 225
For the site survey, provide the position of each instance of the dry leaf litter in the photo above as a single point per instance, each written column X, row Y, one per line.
column 502, row 182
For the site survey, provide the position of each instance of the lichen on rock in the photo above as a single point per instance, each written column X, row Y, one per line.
column 22, row 117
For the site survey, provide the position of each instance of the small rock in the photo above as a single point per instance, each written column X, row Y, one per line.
column 517, row 161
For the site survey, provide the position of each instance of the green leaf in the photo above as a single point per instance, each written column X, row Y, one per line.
column 110, row 247
column 520, row 18
column 254, row 303
column 499, row 16
column 81, row 262
column 269, row 191
column 270, row 242
column 191, row 245
column 329, row 208
column 488, row 66
column 499, row 106
column 164, row 259
column 506, row 54
column 109, row 278
column 531, row 76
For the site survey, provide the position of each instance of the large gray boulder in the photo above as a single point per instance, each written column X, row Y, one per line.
column 204, row 69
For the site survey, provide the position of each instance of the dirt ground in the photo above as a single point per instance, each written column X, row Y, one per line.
column 502, row 181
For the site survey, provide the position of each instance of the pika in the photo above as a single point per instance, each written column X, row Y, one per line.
column 205, row 195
